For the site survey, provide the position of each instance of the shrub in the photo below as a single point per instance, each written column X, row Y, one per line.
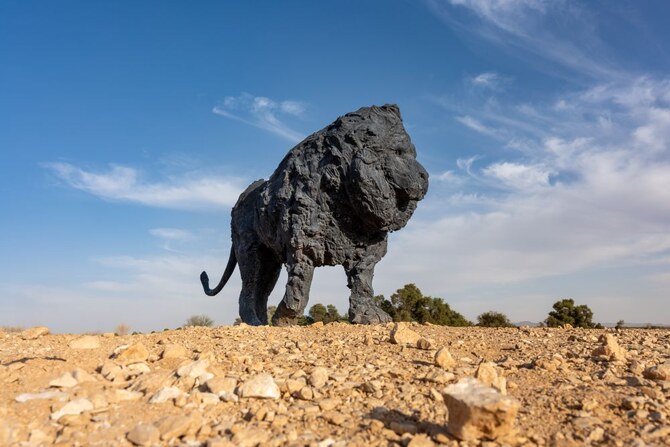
column 565, row 312
column 493, row 319
column 199, row 320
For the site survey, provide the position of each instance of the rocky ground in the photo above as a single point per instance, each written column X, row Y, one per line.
column 337, row 385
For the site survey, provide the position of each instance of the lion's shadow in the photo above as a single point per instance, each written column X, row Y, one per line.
column 396, row 419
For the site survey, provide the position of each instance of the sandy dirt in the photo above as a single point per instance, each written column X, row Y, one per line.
column 332, row 385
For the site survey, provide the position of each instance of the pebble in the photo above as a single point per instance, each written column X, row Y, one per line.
column 444, row 359
column 133, row 354
column 73, row 407
column 261, row 386
column 477, row 411
column 34, row 333
column 609, row 349
column 221, row 385
column 424, row 344
column 174, row 426
column 165, row 394
column 46, row 395
column 487, row 373
column 319, row 377
column 144, row 435
column 250, row 437
column 402, row 335
column 193, row 369
column 64, row 381
column 85, row 342
column 658, row 372
column 174, row 351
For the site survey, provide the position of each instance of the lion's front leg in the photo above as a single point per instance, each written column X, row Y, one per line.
column 362, row 309
column 295, row 299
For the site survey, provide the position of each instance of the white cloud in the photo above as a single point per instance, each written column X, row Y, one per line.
column 488, row 80
column 172, row 234
column 477, row 126
column 262, row 112
column 557, row 32
column 519, row 176
column 124, row 183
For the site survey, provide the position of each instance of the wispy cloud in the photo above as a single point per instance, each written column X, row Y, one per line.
column 568, row 39
column 263, row 113
column 476, row 125
column 488, row 80
column 172, row 234
column 123, row 183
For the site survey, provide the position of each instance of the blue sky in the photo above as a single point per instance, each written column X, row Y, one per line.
column 127, row 130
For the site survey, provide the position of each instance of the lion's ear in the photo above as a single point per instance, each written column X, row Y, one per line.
column 393, row 108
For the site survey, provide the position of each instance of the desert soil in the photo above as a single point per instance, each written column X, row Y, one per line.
column 332, row 385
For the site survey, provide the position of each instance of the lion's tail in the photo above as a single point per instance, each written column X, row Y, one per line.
column 204, row 279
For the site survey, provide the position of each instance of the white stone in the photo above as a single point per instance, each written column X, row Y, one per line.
column 262, row 386
column 193, row 369
column 46, row 395
column 74, row 407
column 165, row 394
column 477, row 411
column 64, row 381
column 85, row 342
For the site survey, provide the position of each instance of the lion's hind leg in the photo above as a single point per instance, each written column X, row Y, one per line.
column 268, row 273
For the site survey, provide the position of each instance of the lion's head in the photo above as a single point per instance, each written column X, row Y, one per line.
column 384, row 181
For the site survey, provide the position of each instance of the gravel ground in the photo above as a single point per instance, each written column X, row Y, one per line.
column 332, row 385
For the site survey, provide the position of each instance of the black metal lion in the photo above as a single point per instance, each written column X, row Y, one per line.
column 332, row 201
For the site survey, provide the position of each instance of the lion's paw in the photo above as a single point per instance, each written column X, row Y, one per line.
column 369, row 315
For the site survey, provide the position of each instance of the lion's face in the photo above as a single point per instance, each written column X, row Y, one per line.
column 384, row 181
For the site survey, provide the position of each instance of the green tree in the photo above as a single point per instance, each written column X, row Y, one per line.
column 493, row 319
column 199, row 320
column 620, row 324
column 409, row 304
column 385, row 305
column 332, row 314
column 565, row 312
column 271, row 312
column 318, row 312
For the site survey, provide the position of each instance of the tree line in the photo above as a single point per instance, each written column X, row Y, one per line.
column 410, row 304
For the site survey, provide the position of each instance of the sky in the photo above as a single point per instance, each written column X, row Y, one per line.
column 128, row 130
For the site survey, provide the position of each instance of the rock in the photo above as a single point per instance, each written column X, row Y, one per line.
column 123, row 395
column 38, row 437
column 171, row 427
column 658, row 372
column 111, row 370
column 609, row 349
column 424, row 344
column 46, row 395
column 402, row 335
column 193, row 369
column 444, row 359
column 221, row 385
column 319, row 377
column 487, row 373
column 477, row 411
column 34, row 332
column 261, row 386
column 329, row 404
column 174, row 351
column 82, row 376
column 74, row 407
column 165, row 394
column 144, row 435
column 133, row 354
column 421, row 440
column 250, row 437
column 64, row 381
column 85, row 342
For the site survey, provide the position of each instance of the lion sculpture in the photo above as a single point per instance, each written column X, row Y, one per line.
column 332, row 201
